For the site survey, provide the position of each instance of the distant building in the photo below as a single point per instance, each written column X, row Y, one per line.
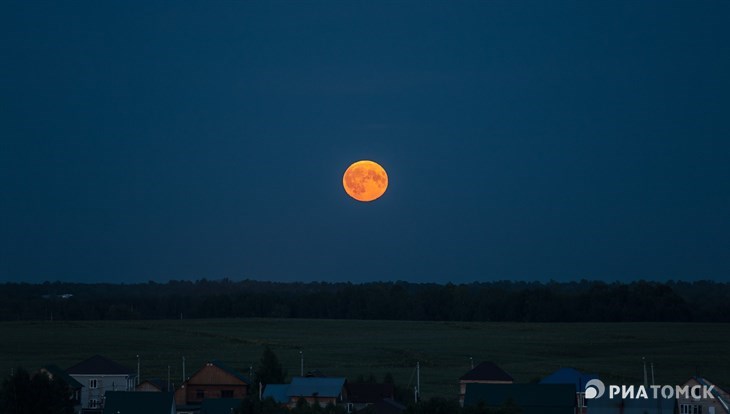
column 99, row 375
column 313, row 390
column 119, row 402
column 484, row 373
column 575, row 378
column 213, row 380
column 719, row 405
column 530, row 398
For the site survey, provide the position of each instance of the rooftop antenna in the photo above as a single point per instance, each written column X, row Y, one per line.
column 137, row 369
column 652, row 373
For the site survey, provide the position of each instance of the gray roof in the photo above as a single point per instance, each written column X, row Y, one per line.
column 314, row 386
column 57, row 372
column 99, row 365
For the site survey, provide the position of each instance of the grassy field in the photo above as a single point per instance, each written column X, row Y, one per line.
column 350, row 348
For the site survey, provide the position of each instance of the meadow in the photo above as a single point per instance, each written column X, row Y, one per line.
column 351, row 348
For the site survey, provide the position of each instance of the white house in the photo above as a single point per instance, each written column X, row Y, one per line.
column 99, row 375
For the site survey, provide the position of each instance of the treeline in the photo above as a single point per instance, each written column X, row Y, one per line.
column 584, row 301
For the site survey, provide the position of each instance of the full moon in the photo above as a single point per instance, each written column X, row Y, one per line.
column 365, row 180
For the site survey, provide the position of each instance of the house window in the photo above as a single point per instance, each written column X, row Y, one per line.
column 690, row 409
column 93, row 403
column 93, row 383
column 227, row 394
column 199, row 394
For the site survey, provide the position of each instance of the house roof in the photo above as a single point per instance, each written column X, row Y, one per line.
column 368, row 392
column 531, row 398
column 231, row 371
column 314, row 386
column 219, row 405
column 124, row 402
column 486, row 371
column 719, row 394
column 99, row 365
column 56, row 372
column 155, row 382
column 277, row 392
column 569, row 376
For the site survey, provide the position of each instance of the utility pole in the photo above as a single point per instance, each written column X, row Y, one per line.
column 418, row 381
column 183, row 378
column 168, row 378
column 301, row 363
column 646, row 381
column 137, row 369
column 471, row 361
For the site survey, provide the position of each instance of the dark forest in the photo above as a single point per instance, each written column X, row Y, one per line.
column 584, row 301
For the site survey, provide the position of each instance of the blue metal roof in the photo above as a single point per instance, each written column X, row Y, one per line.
column 569, row 376
column 313, row 386
column 278, row 392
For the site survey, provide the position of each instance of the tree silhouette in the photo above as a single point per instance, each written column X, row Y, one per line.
column 270, row 370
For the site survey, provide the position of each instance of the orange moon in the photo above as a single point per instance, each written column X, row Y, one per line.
column 365, row 180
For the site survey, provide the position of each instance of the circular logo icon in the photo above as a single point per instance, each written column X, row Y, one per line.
column 594, row 389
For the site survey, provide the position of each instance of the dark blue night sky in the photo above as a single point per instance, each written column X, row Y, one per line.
column 523, row 140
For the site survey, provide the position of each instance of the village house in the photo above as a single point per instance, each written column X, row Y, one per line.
column 213, row 380
column 99, row 375
column 720, row 404
column 313, row 390
column 484, row 373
